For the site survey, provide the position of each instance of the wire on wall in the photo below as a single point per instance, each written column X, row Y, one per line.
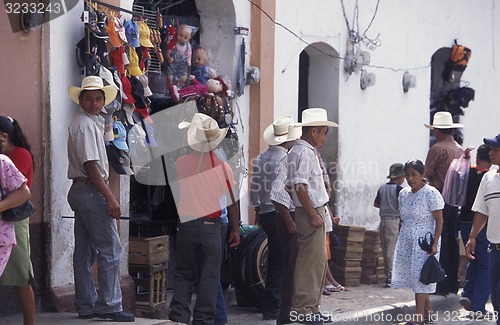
column 336, row 56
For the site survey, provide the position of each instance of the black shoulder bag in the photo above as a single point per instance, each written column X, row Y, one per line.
column 18, row 213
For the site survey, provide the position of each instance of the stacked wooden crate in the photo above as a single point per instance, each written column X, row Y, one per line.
column 148, row 258
column 347, row 257
column 370, row 258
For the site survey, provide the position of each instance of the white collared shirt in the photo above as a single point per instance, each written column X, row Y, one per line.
column 303, row 167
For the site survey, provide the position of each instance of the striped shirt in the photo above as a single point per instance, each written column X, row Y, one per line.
column 278, row 192
column 264, row 173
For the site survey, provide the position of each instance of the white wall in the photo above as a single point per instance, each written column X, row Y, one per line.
column 382, row 125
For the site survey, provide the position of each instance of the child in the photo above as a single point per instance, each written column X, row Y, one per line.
column 387, row 201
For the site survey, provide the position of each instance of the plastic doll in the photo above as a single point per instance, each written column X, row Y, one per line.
column 201, row 69
column 213, row 86
column 179, row 58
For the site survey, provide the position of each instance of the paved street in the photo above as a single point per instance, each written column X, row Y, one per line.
column 365, row 304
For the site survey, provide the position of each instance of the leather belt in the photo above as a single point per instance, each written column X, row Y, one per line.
column 495, row 246
column 84, row 180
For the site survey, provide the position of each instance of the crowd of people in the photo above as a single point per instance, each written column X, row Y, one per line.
column 290, row 192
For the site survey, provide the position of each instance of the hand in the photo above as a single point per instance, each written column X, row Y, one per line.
column 336, row 220
column 434, row 250
column 470, row 248
column 291, row 227
column 113, row 208
column 316, row 220
column 467, row 152
column 234, row 237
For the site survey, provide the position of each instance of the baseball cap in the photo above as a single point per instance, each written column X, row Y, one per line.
column 132, row 33
column 120, row 135
column 119, row 160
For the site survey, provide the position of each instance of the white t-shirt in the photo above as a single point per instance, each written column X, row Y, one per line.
column 488, row 203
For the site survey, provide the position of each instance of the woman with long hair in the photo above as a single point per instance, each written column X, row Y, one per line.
column 19, row 270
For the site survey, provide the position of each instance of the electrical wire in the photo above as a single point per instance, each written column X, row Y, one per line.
column 331, row 55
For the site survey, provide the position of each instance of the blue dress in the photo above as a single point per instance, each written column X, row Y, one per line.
column 416, row 220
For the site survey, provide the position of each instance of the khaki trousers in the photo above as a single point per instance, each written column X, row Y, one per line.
column 310, row 267
column 389, row 230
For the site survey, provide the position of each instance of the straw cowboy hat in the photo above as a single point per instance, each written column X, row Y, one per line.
column 443, row 120
column 294, row 133
column 93, row 83
column 205, row 136
column 316, row 117
column 277, row 129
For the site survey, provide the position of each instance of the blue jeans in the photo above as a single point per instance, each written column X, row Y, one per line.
column 96, row 237
column 198, row 251
column 495, row 280
column 476, row 286
column 220, row 306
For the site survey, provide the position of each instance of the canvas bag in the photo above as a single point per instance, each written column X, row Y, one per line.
column 455, row 182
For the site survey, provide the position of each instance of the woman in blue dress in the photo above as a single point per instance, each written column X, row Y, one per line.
column 421, row 208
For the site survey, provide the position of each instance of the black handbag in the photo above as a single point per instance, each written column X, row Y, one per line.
column 18, row 213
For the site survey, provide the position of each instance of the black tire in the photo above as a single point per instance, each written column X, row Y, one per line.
column 249, row 270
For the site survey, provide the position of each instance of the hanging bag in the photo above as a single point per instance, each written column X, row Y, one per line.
column 432, row 271
column 18, row 213
column 455, row 182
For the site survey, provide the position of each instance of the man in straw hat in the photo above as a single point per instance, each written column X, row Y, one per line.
column 264, row 173
column 285, row 224
column 309, row 195
column 95, row 207
column 203, row 179
column 439, row 158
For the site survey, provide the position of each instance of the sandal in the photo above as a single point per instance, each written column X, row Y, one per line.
column 326, row 292
column 341, row 288
column 331, row 288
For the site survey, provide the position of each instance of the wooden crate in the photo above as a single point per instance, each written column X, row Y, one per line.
column 148, row 250
column 350, row 233
column 150, row 281
column 348, row 262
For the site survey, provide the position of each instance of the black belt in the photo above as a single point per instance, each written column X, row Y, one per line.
column 495, row 246
column 84, row 180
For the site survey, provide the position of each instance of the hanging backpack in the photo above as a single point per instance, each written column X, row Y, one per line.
column 457, row 63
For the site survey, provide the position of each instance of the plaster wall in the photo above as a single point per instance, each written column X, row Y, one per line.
column 382, row 125
column 62, row 72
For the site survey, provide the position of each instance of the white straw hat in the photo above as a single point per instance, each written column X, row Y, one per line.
column 279, row 128
column 443, row 120
column 316, row 117
column 294, row 133
column 205, row 137
column 93, row 83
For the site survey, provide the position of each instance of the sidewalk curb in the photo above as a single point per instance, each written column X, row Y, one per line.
column 389, row 314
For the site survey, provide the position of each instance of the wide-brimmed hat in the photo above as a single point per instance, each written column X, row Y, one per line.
column 493, row 142
column 294, row 133
column 443, row 120
column 93, row 83
column 396, row 170
column 316, row 117
column 197, row 119
column 278, row 128
column 205, row 137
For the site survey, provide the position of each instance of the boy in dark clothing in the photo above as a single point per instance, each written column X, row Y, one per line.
column 387, row 202
column 476, row 289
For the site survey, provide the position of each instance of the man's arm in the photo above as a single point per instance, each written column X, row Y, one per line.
column 477, row 225
column 305, row 200
column 285, row 215
column 234, row 216
column 95, row 177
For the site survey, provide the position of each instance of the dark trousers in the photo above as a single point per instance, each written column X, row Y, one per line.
column 274, row 277
column 449, row 254
column 477, row 284
column 290, row 249
column 198, row 249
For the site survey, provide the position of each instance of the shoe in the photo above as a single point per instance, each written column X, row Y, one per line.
column 387, row 283
column 89, row 316
column 312, row 319
column 270, row 316
column 325, row 318
column 466, row 303
column 326, row 292
column 119, row 316
column 331, row 288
